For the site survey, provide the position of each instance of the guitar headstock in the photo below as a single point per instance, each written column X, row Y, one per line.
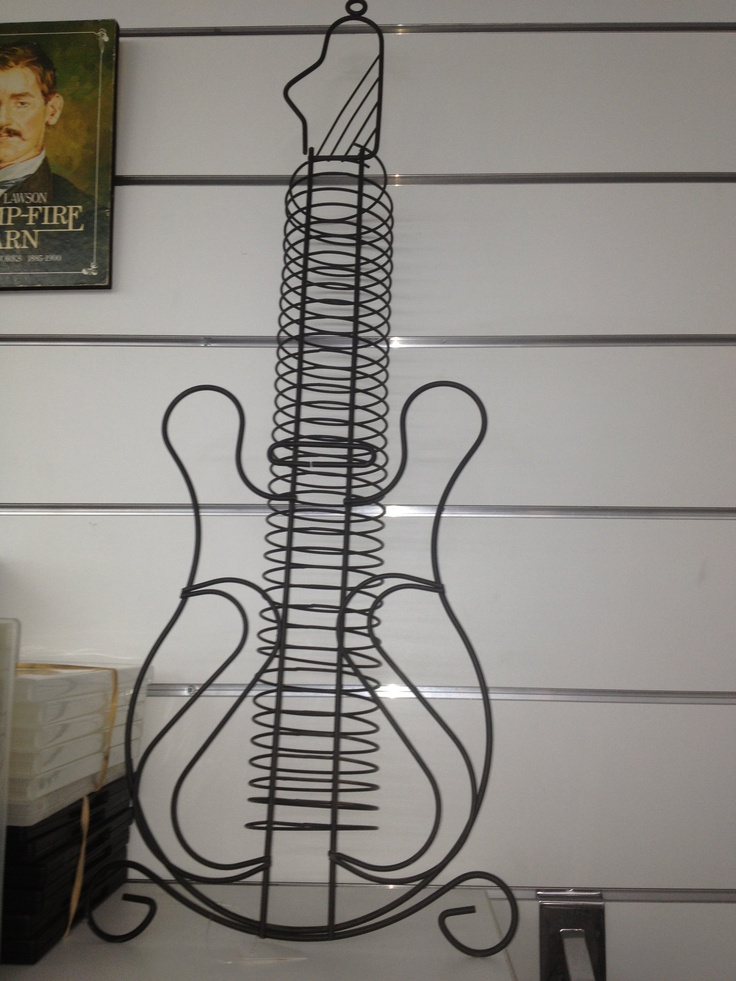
column 341, row 93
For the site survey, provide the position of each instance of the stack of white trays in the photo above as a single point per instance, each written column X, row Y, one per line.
column 60, row 731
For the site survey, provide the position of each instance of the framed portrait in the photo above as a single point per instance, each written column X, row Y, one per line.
column 57, row 147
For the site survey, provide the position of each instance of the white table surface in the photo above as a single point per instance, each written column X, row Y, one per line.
column 182, row 945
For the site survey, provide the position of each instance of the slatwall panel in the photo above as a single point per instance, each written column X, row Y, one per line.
column 512, row 260
column 567, row 427
column 565, row 245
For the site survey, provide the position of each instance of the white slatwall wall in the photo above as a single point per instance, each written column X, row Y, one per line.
column 593, row 545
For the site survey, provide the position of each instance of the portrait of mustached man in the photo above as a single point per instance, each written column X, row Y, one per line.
column 29, row 105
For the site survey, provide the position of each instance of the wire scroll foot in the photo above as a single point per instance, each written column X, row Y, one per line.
column 147, row 901
column 445, row 915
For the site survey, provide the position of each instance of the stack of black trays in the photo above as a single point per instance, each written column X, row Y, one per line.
column 40, row 869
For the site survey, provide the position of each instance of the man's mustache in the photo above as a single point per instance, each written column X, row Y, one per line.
column 7, row 131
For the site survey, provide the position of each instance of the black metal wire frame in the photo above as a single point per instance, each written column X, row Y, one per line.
column 314, row 769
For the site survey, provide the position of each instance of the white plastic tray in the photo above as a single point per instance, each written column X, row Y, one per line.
column 35, row 715
column 23, row 814
column 24, row 789
column 50, row 681
column 28, row 765
column 33, row 738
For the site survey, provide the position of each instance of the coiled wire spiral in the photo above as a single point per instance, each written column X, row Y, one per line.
column 329, row 446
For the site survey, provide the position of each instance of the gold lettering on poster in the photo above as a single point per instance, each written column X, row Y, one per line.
column 37, row 218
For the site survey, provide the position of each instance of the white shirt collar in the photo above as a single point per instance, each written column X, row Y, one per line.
column 17, row 171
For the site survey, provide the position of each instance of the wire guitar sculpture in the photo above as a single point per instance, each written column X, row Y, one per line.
column 313, row 769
